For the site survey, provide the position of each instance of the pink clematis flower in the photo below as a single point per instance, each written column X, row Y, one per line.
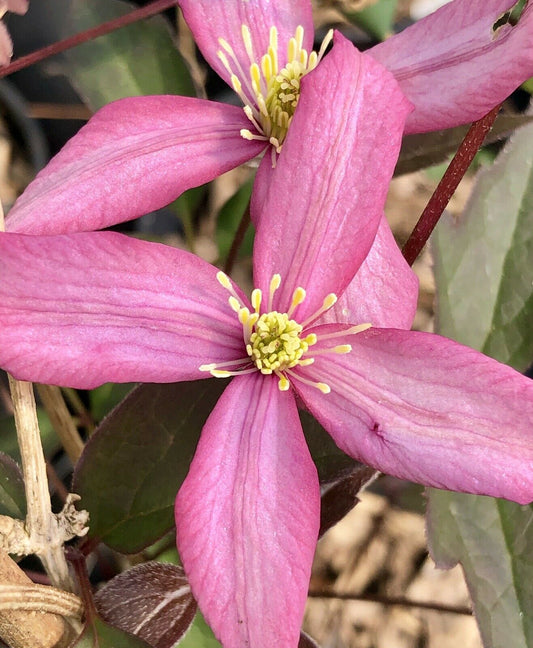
column 140, row 153
column 85, row 308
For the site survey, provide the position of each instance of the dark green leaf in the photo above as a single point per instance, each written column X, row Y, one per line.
column 485, row 299
column 134, row 464
column 140, row 59
column 331, row 462
column 427, row 149
column 339, row 498
column 12, row 495
column 376, row 19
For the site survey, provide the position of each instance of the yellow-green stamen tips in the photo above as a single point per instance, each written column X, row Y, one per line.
column 270, row 95
column 276, row 343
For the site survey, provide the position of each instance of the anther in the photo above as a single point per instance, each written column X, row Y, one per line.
column 283, row 384
column 275, row 283
column 298, row 297
column 207, row 367
column 220, row 373
column 342, row 348
column 257, row 296
column 234, row 303
column 224, row 280
column 329, row 301
column 247, row 40
column 323, row 387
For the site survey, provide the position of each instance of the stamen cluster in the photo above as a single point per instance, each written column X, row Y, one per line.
column 270, row 95
column 275, row 345
column 273, row 341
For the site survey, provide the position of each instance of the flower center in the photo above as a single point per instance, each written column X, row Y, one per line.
column 270, row 95
column 274, row 342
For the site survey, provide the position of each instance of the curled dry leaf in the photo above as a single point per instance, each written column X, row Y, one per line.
column 152, row 601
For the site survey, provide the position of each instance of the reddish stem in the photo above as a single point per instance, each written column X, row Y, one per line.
column 447, row 186
column 90, row 34
column 77, row 560
column 237, row 241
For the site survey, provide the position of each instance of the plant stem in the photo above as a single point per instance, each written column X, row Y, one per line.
column 90, row 34
column 40, row 597
column 448, row 184
column 41, row 524
column 393, row 600
column 61, row 420
column 237, row 241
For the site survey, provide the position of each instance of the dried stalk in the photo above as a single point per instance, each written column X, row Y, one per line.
column 60, row 417
column 42, row 526
column 27, row 629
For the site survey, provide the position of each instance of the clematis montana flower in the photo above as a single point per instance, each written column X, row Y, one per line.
column 84, row 308
column 140, row 153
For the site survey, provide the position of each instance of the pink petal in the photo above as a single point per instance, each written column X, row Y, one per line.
column 424, row 408
column 383, row 292
column 452, row 65
column 84, row 309
column 6, row 45
column 16, row 6
column 210, row 21
column 328, row 189
column 247, row 516
column 133, row 156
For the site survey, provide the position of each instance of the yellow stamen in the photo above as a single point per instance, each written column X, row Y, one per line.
column 298, row 297
column 275, row 343
column 270, row 94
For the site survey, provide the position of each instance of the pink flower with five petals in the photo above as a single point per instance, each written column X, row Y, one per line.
column 138, row 154
column 85, row 308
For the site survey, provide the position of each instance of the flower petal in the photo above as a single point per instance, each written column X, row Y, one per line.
column 424, row 408
column 16, row 6
column 6, row 45
column 454, row 67
column 247, row 516
column 210, row 21
column 133, row 156
column 383, row 292
column 327, row 192
column 84, row 309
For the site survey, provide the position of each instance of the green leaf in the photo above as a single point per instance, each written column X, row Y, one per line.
column 8, row 436
column 104, row 398
column 377, row 19
column 485, row 299
column 483, row 261
column 427, row 149
column 199, row 635
column 134, row 464
column 98, row 634
column 228, row 220
column 140, row 59
column 12, row 495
